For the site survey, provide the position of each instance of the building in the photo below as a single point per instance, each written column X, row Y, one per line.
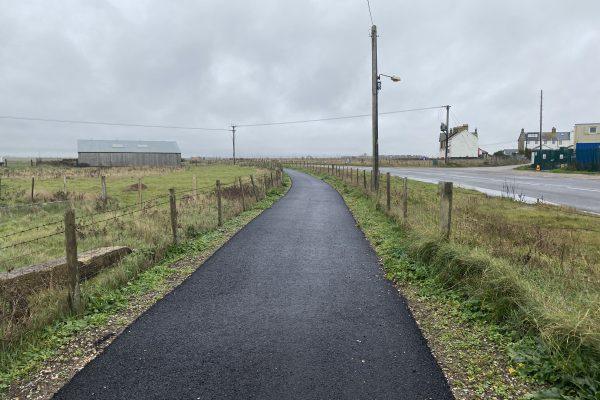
column 552, row 140
column 510, row 152
column 587, row 146
column 587, row 133
column 461, row 143
column 121, row 153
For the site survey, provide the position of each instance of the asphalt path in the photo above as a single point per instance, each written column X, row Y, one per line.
column 295, row 306
column 573, row 190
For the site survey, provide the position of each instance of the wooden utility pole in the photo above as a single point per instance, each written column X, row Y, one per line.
column 233, row 132
column 375, row 107
column 447, row 134
column 72, row 262
column 173, row 208
column 541, row 104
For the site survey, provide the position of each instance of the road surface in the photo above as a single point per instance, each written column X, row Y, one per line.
column 573, row 190
column 295, row 306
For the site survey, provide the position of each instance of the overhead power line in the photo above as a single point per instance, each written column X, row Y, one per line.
column 370, row 13
column 70, row 121
column 270, row 123
column 302, row 121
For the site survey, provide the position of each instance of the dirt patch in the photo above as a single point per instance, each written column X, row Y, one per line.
column 135, row 187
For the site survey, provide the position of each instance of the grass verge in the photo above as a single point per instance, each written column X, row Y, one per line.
column 109, row 298
column 548, row 331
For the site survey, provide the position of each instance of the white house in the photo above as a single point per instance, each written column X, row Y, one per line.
column 552, row 140
column 462, row 143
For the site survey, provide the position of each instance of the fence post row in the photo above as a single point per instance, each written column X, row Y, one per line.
column 173, row 206
column 445, row 208
column 388, row 200
column 74, row 299
column 219, row 204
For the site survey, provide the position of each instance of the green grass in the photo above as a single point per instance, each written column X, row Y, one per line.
column 532, row 268
column 83, row 189
column 110, row 292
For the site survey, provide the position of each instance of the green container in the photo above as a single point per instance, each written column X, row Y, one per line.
column 553, row 159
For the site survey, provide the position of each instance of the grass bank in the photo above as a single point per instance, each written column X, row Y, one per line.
column 530, row 269
column 111, row 293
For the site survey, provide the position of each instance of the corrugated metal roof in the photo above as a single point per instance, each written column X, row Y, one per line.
column 127, row 146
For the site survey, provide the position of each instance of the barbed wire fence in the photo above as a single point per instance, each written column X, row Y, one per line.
column 152, row 224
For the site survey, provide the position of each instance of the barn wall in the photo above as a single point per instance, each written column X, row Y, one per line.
column 129, row 159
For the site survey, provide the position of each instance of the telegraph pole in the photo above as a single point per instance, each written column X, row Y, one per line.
column 447, row 134
column 375, row 109
column 541, row 103
column 233, row 131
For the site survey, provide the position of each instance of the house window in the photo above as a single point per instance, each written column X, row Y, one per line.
column 593, row 129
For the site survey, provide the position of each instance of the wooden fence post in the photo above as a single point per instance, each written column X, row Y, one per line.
column 65, row 184
column 271, row 182
column 365, row 179
column 173, row 207
column 388, row 200
column 195, row 187
column 32, row 187
column 254, row 189
column 219, row 204
column 103, row 190
column 242, row 194
column 445, row 208
column 405, row 199
column 140, row 193
column 72, row 262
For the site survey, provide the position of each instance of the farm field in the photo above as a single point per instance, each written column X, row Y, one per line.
column 30, row 231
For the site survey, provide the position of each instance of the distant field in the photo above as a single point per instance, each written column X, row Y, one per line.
column 19, row 216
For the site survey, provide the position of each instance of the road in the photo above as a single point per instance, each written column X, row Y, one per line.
column 573, row 190
column 295, row 306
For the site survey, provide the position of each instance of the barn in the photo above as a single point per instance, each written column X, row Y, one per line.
column 123, row 153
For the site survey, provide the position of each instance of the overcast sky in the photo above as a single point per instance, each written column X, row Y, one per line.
column 214, row 63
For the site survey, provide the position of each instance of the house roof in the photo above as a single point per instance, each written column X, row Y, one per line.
column 548, row 135
column 127, row 146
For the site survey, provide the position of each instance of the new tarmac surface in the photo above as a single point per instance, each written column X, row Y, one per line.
column 295, row 306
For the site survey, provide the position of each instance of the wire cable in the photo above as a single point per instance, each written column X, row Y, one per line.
column 335, row 118
column 134, row 125
column 370, row 13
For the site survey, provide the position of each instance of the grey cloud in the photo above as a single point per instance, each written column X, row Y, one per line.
column 213, row 63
